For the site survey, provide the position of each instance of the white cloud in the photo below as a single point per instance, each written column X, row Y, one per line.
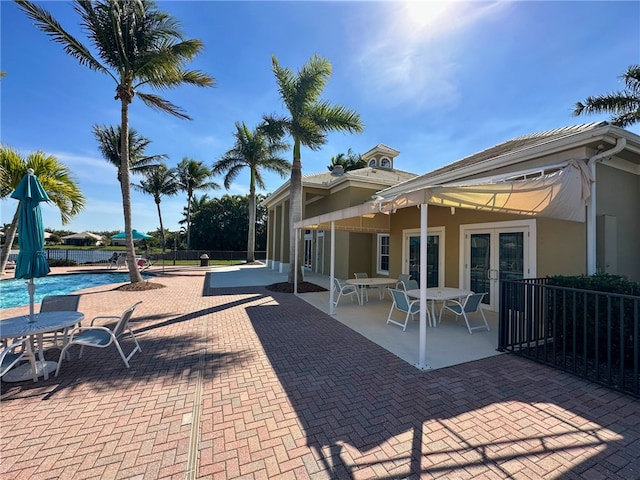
column 410, row 57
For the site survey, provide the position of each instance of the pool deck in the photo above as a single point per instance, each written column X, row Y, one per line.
column 236, row 381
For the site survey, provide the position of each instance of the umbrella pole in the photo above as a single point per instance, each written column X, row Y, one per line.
column 31, row 287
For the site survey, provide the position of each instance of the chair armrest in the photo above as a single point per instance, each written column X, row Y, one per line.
column 103, row 317
column 444, row 303
column 79, row 330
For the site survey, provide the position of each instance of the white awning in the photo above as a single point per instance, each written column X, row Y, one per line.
column 562, row 194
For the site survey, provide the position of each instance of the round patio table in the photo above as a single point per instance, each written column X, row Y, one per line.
column 362, row 283
column 21, row 326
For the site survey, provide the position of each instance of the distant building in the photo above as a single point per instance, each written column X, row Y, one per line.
column 82, row 239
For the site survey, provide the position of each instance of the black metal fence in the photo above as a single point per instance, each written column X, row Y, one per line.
column 101, row 256
column 591, row 334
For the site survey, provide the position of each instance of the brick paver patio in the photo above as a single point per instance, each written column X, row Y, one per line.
column 246, row 383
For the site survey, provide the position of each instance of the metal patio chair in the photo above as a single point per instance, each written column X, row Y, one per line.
column 344, row 290
column 102, row 337
column 12, row 354
column 471, row 304
column 402, row 303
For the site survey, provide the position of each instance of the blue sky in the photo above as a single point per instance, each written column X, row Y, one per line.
column 436, row 81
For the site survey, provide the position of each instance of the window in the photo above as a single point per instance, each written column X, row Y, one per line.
column 385, row 163
column 372, row 162
column 383, row 254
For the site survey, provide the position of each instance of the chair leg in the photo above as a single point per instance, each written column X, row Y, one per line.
column 486, row 324
column 466, row 320
column 406, row 320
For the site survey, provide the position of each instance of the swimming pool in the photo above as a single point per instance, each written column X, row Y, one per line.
column 13, row 292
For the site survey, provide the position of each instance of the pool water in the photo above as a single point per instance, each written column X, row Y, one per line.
column 13, row 292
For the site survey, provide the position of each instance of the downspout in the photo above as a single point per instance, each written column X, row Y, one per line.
column 591, row 210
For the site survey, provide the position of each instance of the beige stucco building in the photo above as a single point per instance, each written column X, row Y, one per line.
column 562, row 202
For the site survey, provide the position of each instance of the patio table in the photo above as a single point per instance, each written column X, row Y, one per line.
column 436, row 294
column 20, row 326
column 362, row 283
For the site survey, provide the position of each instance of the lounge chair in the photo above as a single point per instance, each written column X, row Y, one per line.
column 122, row 261
column 102, row 337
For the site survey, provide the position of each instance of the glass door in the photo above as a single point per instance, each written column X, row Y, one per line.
column 308, row 249
column 493, row 255
column 434, row 257
column 320, row 252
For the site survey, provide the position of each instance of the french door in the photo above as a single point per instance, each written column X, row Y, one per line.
column 435, row 255
column 494, row 253
column 308, row 249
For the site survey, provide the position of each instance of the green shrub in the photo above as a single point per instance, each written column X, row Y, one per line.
column 595, row 317
column 59, row 262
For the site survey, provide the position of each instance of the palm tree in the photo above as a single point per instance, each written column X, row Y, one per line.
column 136, row 45
column 350, row 161
column 159, row 181
column 193, row 175
column 109, row 144
column 623, row 106
column 55, row 178
column 255, row 151
column 308, row 123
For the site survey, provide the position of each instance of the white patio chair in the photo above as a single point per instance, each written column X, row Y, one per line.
column 402, row 303
column 409, row 285
column 471, row 304
column 58, row 303
column 364, row 288
column 403, row 277
column 102, row 337
column 344, row 290
column 365, row 291
column 13, row 354
column 122, row 261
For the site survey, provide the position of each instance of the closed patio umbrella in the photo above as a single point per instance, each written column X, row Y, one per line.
column 32, row 262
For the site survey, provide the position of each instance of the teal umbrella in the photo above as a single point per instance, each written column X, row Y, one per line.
column 134, row 233
column 32, row 262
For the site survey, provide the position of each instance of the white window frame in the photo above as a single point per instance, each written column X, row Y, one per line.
column 379, row 253
column 385, row 162
column 372, row 163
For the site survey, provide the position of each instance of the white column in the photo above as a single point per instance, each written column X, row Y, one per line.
column 422, row 355
column 333, row 267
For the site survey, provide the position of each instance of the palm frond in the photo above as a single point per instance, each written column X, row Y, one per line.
column 49, row 25
column 158, row 103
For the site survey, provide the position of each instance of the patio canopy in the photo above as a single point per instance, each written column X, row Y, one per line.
column 562, row 194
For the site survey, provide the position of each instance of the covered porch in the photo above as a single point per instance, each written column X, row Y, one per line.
column 561, row 193
column 447, row 344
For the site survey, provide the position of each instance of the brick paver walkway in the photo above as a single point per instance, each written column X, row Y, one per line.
column 245, row 383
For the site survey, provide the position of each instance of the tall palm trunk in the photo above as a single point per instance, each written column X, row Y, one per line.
column 295, row 210
column 251, row 240
column 189, row 220
column 161, row 226
column 10, row 236
column 125, row 187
